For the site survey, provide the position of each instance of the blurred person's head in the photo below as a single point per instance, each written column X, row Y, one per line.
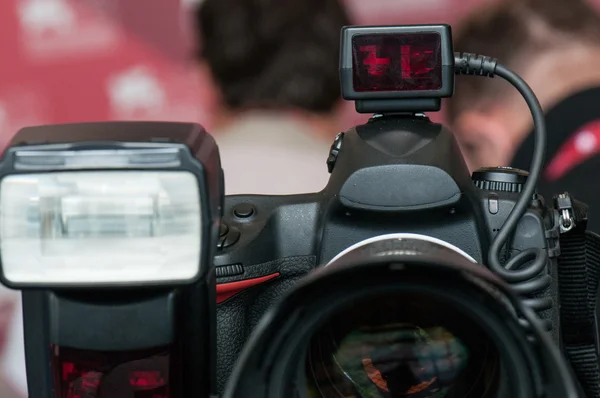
column 553, row 44
column 272, row 55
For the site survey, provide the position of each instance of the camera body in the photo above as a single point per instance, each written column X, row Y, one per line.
column 396, row 173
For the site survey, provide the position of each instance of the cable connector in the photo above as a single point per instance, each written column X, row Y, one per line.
column 473, row 64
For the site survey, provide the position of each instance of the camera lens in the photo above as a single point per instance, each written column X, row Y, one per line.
column 400, row 316
column 406, row 345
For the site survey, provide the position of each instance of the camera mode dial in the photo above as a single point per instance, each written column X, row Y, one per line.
column 503, row 179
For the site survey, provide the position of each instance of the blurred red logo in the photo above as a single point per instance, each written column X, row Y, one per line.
column 581, row 146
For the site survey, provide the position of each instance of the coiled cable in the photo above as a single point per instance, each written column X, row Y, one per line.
column 526, row 271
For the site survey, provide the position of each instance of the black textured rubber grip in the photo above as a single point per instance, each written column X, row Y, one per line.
column 238, row 315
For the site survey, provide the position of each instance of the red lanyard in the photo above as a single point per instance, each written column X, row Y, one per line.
column 581, row 146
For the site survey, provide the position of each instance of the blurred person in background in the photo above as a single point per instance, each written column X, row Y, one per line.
column 555, row 46
column 274, row 64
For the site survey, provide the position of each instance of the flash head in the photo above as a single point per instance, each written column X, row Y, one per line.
column 108, row 204
column 397, row 68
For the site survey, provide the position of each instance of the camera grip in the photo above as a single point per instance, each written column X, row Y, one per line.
column 238, row 315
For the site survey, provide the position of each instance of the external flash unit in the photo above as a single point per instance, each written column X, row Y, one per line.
column 107, row 229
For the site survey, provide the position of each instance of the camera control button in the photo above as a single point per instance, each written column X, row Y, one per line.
column 334, row 151
column 244, row 210
column 493, row 205
column 231, row 238
column 500, row 179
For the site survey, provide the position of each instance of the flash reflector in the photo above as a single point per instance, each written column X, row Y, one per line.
column 94, row 227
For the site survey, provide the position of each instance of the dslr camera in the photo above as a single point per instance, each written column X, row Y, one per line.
column 406, row 276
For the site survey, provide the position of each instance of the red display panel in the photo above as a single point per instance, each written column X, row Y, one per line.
column 397, row 62
column 95, row 374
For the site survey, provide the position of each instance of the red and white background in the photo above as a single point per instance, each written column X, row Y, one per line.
column 89, row 60
column 93, row 60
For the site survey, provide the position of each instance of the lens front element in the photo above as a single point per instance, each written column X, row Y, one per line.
column 402, row 345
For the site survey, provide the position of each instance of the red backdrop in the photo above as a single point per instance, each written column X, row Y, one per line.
column 89, row 60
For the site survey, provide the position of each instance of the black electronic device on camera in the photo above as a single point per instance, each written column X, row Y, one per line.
column 405, row 277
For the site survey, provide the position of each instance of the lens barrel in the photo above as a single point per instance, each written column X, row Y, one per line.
column 401, row 316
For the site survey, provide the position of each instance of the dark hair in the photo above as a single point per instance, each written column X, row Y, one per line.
column 273, row 53
column 514, row 31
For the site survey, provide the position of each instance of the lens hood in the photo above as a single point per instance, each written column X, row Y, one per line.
column 271, row 363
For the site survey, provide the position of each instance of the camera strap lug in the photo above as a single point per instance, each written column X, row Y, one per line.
column 564, row 206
